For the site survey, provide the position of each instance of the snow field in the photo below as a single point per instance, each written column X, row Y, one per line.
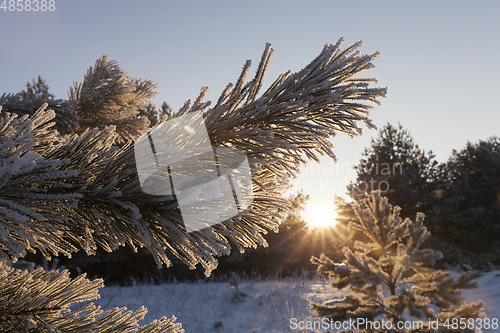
column 267, row 306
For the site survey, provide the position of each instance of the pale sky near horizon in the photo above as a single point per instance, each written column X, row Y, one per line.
column 438, row 58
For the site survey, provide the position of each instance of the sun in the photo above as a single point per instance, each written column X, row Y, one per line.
column 320, row 215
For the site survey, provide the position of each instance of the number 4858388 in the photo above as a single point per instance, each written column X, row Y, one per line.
column 28, row 5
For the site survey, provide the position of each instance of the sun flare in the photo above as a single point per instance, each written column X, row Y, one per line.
column 320, row 216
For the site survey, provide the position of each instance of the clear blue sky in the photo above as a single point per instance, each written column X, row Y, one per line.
column 439, row 58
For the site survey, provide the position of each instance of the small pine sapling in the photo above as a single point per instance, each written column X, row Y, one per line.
column 234, row 282
column 390, row 278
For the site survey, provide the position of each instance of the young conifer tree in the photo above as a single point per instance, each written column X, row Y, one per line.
column 391, row 278
column 80, row 191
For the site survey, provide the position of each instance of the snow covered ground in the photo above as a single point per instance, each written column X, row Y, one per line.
column 267, row 307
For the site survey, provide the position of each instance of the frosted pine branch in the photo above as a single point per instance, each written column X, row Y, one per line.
column 82, row 191
column 108, row 95
column 40, row 301
column 66, row 116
